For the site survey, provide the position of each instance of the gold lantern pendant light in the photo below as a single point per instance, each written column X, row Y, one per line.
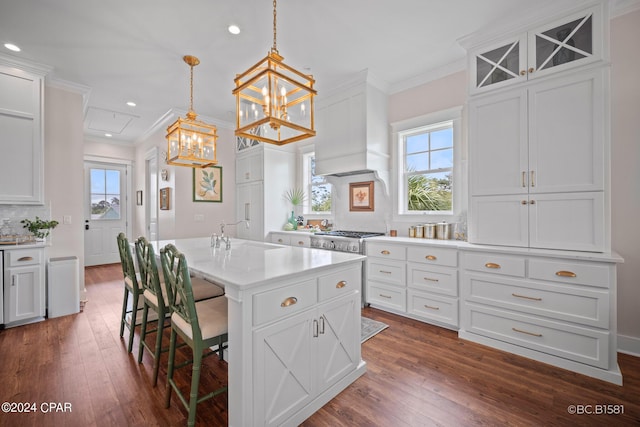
column 191, row 142
column 274, row 102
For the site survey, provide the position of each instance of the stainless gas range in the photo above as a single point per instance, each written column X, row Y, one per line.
column 342, row 240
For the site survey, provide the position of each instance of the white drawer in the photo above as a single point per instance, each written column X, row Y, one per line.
column 386, row 296
column 442, row 280
column 435, row 256
column 580, row 344
column 271, row 305
column 433, row 307
column 281, row 239
column 16, row 258
column 582, row 273
column 384, row 250
column 494, row 263
column 339, row 283
column 386, row 271
column 579, row 305
column 300, row 241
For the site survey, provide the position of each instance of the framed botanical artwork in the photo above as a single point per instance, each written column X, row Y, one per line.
column 164, row 199
column 361, row 196
column 207, row 184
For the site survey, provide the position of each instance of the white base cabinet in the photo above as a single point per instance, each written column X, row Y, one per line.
column 561, row 311
column 418, row 281
column 306, row 345
column 24, row 289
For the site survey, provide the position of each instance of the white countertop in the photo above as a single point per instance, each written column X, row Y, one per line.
column 462, row 245
column 30, row 245
column 249, row 263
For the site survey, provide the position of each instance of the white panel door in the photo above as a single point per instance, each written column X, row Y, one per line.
column 339, row 340
column 566, row 134
column 498, row 144
column 105, row 211
column 568, row 221
column 282, row 379
column 499, row 220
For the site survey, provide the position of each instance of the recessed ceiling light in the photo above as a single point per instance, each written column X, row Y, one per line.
column 108, row 135
column 234, row 29
column 12, row 47
column 131, row 104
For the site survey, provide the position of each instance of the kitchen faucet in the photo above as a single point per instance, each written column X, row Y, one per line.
column 215, row 239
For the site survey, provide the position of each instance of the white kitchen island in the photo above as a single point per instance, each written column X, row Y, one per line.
column 294, row 325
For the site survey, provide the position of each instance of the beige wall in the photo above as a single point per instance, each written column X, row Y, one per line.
column 625, row 176
column 180, row 219
column 63, row 172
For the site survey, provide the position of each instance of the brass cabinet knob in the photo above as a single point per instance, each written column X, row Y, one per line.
column 523, row 72
column 341, row 284
column 289, row 301
column 531, row 70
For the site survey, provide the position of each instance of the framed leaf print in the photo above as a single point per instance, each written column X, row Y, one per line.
column 207, row 184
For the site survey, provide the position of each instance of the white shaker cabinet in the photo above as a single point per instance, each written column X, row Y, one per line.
column 537, row 165
column 575, row 39
column 21, row 134
column 24, row 288
column 323, row 331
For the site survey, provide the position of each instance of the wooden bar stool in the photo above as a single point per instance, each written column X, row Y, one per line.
column 132, row 287
column 155, row 298
column 201, row 325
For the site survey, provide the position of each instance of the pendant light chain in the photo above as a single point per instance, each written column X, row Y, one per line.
column 191, row 96
column 274, row 48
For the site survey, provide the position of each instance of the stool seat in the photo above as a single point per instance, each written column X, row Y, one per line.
column 212, row 316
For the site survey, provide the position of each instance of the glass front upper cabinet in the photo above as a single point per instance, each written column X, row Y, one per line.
column 574, row 40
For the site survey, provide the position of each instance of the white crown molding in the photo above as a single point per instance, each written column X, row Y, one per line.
column 171, row 115
column 25, row 65
column 68, row 86
column 429, row 76
column 622, row 7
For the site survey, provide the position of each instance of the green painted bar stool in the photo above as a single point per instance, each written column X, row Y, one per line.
column 201, row 325
column 132, row 287
column 155, row 297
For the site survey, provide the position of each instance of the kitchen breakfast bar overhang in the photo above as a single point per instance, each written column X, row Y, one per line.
column 294, row 325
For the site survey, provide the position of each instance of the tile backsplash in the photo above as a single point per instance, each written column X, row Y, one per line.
column 16, row 213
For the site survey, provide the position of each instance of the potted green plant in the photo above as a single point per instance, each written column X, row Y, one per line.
column 40, row 228
column 295, row 196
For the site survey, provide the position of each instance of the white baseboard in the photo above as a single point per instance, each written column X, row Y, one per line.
column 629, row 345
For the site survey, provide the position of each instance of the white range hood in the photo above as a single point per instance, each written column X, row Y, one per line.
column 353, row 131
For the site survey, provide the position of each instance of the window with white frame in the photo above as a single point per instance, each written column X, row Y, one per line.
column 427, row 164
column 316, row 186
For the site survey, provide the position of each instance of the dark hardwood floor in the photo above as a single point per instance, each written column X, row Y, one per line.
column 418, row 375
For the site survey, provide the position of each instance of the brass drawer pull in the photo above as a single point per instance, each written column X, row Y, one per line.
column 431, row 257
column 492, row 265
column 300, row 242
column 526, row 297
column 564, row 273
column 26, row 258
column 289, row 301
column 429, row 279
column 385, row 252
column 431, row 307
column 385, row 272
column 526, row 332
column 280, row 240
column 341, row 284
column 385, row 296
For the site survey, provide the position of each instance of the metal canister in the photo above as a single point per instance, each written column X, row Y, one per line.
column 430, row 230
column 419, row 231
column 412, row 231
column 443, row 230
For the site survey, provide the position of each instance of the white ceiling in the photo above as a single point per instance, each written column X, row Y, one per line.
column 132, row 49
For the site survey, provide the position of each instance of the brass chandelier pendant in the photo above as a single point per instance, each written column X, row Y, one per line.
column 191, row 142
column 274, row 102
